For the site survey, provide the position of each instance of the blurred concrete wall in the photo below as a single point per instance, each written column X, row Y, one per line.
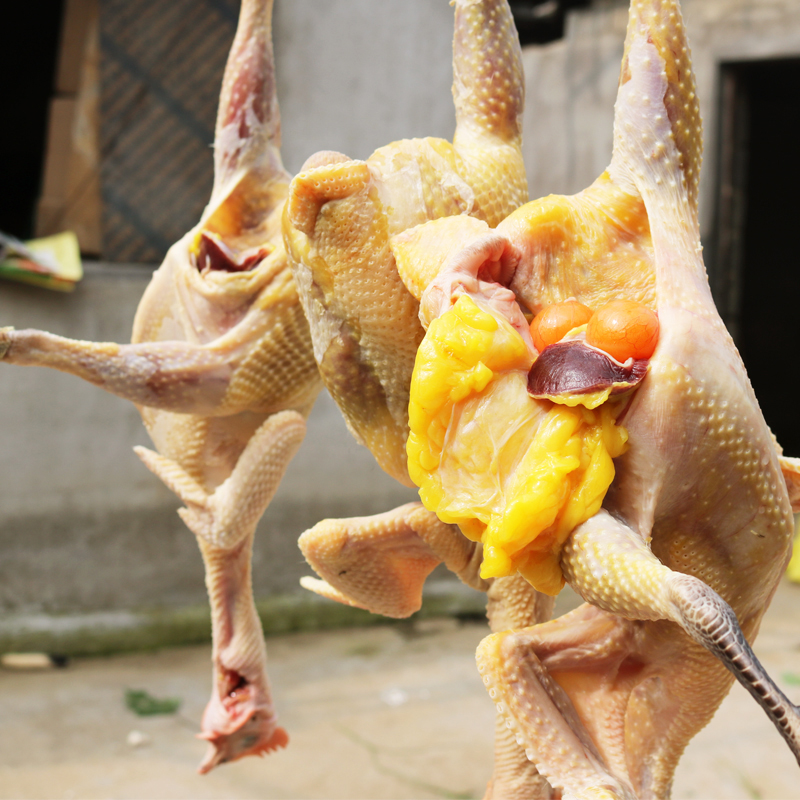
column 83, row 526
column 354, row 75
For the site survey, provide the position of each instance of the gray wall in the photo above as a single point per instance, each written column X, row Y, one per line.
column 354, row 75
column 83, row 526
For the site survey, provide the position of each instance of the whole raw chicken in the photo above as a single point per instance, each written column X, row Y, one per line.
column 340, row 224
column 222, row 370
column 681, row 547
column 679, row 560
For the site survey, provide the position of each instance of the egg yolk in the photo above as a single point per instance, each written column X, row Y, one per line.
column 555, row 321
column 624, row 329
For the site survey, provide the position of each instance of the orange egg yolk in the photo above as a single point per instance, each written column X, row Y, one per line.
column 624, row 329
column 553, row 323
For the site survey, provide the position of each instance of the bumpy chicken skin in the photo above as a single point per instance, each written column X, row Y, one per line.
column 343, row 226
column 222, row 370
column 694, row 534
column 342, row 214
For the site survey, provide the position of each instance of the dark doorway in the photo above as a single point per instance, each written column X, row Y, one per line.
column 542, row 21
column 27, row 79
column 756, row 275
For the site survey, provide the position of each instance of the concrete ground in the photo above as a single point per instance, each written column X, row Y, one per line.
column 382, row 712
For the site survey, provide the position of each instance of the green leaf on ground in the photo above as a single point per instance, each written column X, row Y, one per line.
column 791, row 678
column 145, row 705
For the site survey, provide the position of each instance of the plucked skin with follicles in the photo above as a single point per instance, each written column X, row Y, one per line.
column 341, row 222
column 222, row 371
column 681, row 561
column 695, row 523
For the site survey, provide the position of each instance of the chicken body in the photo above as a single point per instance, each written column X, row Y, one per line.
column 222, row 371
column 341, row 223
column 679, row 565
column 343, row 227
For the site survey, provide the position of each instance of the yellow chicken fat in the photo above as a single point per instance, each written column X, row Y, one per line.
column 531, row 492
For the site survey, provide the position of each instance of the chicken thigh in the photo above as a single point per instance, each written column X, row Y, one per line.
column 222, row 370
column 694, row 533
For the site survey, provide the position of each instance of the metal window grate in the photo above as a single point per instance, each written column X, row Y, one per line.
column 161, row 69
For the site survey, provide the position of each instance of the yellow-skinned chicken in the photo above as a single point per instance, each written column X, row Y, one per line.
column 340, row 224
column 222, row 370
column 694, row 533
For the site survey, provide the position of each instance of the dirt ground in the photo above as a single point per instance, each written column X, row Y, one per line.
column 385, row 712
